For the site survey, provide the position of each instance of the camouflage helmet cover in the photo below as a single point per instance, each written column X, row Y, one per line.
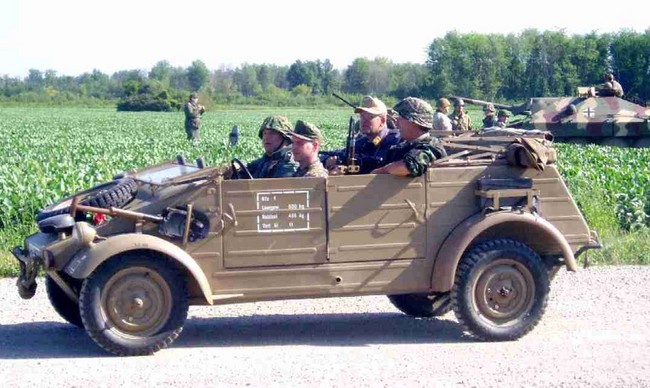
column 416, row 111
column 489, row 108
column 194, row 95
column 306, row 131
column 503, row 112
column 279, row 124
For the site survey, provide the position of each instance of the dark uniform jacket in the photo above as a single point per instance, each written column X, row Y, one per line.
column 417, row 154
column 279, row 164
column 489, row 121
column 371, row 154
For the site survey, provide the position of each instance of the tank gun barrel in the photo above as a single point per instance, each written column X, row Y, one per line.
column 515, row 109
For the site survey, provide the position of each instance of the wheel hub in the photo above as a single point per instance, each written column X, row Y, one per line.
column 137, row 302
column 504, row 291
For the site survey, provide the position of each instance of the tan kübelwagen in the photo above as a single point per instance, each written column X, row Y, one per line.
column 125, row 260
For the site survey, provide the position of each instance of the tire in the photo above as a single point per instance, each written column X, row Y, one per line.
column 62, row 304
column 501, row 290
column 116, row 193
column 422, row 305
column 134, row 304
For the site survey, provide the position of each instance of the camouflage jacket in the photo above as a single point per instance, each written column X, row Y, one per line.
column 460, row 122
column 193, row 115
column 370, row 154
column 314, row 170
column 417, row 154
column 279, row 164
column 489, row 122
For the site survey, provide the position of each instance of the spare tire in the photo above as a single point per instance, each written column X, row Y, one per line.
column 117, row 193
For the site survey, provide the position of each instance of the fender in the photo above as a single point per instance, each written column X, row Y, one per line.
column 86, row 261
column 451, row 251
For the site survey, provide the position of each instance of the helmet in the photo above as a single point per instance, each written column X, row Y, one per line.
column 459, row 102
column 503, row 112
column 442, row 103
column 279, row 124
column 489, row 108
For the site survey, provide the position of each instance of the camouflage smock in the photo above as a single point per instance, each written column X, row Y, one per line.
column 417, row 154
column 314, row 170
column 279, row 164
column 460, row 122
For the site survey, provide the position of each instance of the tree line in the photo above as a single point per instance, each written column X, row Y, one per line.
column 486, row 66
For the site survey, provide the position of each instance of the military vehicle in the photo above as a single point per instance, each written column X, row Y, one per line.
column 481, row 232
column 591, row 117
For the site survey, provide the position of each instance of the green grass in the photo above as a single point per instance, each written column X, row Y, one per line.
column 50, row 153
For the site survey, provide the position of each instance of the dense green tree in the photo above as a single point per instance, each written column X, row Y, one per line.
column 197, row 75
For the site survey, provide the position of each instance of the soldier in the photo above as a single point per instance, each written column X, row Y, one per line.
column 440, row 120
column 306, row 142
column 193, row 112
column 277, row 161
column 460, row 121
column 502, row 118
column 371, row 148
column 489, row 120
column 417, row 148
column 612, row 86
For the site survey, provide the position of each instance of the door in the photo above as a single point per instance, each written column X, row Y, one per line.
column 376, row 217
column 274, row 222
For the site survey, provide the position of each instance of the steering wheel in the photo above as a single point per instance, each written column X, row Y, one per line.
column 239, row 170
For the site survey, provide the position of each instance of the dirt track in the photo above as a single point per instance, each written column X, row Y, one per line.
column 594, row 333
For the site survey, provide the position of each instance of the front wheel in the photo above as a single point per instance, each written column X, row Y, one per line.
column 501, row 290
column 134, row 304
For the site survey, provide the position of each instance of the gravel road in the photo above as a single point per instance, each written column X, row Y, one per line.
column 594, row 333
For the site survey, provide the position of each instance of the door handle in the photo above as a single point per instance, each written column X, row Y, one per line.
column 231, row 217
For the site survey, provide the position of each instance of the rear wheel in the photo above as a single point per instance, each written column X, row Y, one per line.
column 67, row 308
column 501, row 290
column 422, row 305
column 134, row 304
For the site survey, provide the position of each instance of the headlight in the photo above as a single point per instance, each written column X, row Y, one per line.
column 83, row 233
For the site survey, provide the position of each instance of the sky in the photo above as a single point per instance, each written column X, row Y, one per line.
column 77, row 36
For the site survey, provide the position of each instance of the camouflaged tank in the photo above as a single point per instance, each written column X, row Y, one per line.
column 591, row 117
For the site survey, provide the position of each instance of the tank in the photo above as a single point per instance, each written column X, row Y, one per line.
column 590, row 117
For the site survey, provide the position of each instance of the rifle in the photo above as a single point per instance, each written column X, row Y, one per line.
column 350, row 162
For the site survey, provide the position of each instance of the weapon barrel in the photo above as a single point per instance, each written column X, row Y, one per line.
column 483, row 103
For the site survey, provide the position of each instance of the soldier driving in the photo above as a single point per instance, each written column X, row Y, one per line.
column 277, row 161
column 417, row 148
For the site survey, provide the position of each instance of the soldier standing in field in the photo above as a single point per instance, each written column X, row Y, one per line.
column 489, row 120
column 417, row 149
column 377, row 138
column 460, row 121
column 277, row 161
column 440, row 120
column 193, row 112
column 307, row 139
